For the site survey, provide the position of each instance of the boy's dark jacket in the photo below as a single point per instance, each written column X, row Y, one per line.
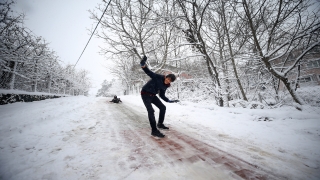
column 155, row 84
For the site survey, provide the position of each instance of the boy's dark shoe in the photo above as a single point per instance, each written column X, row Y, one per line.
column 161, row 126
column 157, row 133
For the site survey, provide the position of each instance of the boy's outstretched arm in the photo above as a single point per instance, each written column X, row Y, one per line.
column 163, row 96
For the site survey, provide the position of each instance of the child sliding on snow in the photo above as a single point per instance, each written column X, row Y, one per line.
column 115, row 100
column 158, row 83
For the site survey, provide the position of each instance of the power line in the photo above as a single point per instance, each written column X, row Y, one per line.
column 92, row 33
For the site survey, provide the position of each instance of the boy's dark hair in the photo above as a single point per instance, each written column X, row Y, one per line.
column 172, row 77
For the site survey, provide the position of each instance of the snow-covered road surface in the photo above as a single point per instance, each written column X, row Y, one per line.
column 90, row 138
column 178, row 155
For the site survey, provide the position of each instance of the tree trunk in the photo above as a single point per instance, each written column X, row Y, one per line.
column 224, row 79
column 49, row 83
column 231, row 54
column 285, row 81
column 13, row 76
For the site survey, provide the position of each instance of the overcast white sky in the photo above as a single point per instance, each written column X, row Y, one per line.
column 64, row 24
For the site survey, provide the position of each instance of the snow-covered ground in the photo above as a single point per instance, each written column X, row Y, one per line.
column 90, row 138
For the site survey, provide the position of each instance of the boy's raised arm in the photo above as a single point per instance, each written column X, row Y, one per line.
column 145, row 68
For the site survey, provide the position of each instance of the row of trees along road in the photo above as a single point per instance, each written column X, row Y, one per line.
column 230, row 49
column 27, row 63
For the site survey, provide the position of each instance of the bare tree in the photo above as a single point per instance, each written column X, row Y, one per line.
column 126, row 28
column 135, row 28
column 279, row 28
column 195, row 17
column 226, row 26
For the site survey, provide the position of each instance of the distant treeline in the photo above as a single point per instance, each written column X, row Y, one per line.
column 27, row 63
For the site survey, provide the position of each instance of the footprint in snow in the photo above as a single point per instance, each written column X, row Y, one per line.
column 55, row 151
column 66, row 138
column 50, row 176
column 68, row 158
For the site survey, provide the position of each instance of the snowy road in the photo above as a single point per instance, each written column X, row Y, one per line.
column 93, row 139
column 177, row 155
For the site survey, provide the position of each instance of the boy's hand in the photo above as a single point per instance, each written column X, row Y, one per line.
column 143, row 61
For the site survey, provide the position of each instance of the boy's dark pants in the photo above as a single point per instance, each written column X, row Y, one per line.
column 147, row 100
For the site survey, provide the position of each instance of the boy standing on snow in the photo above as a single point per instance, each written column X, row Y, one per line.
column 157, row 84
